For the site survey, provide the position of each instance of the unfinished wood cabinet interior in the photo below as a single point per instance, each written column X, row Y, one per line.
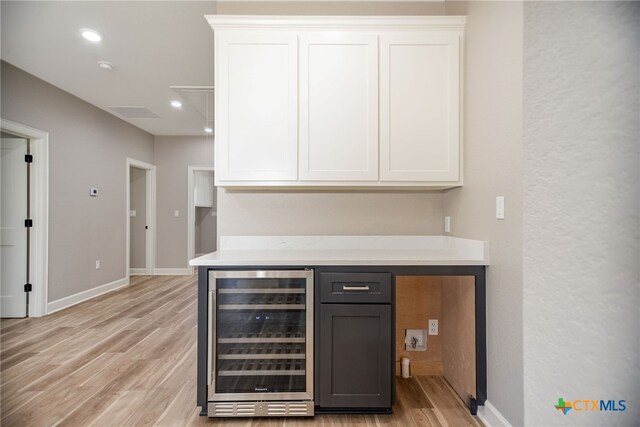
column 451, row 353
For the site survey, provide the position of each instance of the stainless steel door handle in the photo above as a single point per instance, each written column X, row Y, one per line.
column 355, row 288
column 211, row 339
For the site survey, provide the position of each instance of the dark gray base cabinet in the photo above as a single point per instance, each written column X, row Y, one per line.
column 355, row 356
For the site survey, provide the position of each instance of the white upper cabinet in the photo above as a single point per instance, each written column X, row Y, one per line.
column 203, row 189
column 338, row 102
column 256, row 106
column 338, row 107
column 420, row 107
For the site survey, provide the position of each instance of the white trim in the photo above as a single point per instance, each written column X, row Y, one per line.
column 341, row 23
column 74, row 299
column 173, row 272
column 39, row 262
column 137, row 272
column 150, row 250
column 491, row 417
column 191, row 211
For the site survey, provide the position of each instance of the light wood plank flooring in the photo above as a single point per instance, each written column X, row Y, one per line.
column 128, row 358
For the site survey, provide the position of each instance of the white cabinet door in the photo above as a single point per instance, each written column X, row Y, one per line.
column 420, row 107
column 338, row 106
column 256, row 106
column 203, row 189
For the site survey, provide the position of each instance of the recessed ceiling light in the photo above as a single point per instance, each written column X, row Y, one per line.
column 105, row 65
column 176, row 104
column 91, row 35
column 208, row 130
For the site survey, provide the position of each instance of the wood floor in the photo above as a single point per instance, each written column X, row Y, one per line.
column 128, row 358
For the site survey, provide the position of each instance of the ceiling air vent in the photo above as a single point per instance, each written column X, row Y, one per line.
column 134, row 112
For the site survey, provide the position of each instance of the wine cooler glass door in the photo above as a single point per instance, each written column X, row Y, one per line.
column 262, row 326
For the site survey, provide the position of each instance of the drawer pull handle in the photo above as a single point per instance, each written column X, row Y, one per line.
column 355, row 288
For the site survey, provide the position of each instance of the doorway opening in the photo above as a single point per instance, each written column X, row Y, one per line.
column 24, row 216
column 202, row 212
column 140, row 218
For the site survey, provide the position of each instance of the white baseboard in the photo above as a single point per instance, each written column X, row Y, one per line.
column 137, row 271
column 172, row 272
column 74, row 299
column 491, row 417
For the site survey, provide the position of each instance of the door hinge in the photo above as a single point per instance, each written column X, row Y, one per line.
column 28, row 287
column 28, row 158
column 28, row 222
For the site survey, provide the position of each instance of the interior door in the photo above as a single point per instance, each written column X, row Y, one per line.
column 138, row 221
column 13, row 231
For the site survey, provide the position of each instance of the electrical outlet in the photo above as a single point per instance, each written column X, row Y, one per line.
column 97, row 264
column 433, row 326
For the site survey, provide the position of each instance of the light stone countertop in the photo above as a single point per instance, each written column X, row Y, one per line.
column 345, row 250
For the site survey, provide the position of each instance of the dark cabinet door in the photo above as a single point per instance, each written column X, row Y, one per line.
column 355, row 356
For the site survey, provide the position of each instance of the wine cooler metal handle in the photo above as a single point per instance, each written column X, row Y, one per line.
column 355, row 288
column 212, row 338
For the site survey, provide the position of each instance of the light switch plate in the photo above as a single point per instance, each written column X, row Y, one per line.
column 176, row 213
column 132, row 213
column 500, row 207
column 447, row 224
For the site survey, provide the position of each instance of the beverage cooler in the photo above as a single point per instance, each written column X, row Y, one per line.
column 260, row 344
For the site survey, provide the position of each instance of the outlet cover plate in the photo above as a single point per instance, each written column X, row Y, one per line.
column 433, row 326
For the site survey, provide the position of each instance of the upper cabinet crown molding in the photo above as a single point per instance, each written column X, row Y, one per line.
column 340, row 102
column 341, row 23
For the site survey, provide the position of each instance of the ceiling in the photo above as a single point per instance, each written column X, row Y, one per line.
column 160, row 51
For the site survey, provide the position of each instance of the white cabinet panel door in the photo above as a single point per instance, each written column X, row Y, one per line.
column 256, row 106
column 338, row 106
column 420, row 107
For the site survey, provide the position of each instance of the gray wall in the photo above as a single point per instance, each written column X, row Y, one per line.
column 87, row 148
column 330, row 8
column 205, row 231
column 493, row 167
column 138, row 203
column 319, row 213
column 581, row 209
column 173, row 155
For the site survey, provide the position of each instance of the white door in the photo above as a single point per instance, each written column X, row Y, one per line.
column 14, row 233
column 338, row 106
column 256, row 106
column 138, row 226
column 419, row 107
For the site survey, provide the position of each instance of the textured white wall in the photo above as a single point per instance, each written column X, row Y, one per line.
column 493, row 167
column 581, row 209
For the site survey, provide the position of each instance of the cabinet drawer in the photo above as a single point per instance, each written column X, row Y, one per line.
column 355, row 287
